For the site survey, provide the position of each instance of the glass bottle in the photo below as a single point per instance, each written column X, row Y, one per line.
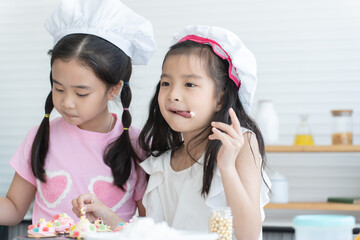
column 342, row 131
column 303, row 135
column 268, row 121
column 221, row 222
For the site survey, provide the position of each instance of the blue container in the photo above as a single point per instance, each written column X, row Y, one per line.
column 329, row 227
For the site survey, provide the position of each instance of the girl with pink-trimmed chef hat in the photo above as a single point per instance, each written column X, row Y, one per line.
column 88, row 148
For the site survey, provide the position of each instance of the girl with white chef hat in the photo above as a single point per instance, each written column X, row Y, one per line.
column 207, row 153
column 88, row 148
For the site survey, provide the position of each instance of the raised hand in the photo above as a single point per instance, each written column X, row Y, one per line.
column 231, row 138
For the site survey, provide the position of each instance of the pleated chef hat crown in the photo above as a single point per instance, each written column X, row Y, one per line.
column 108, row 19
column 227, row 45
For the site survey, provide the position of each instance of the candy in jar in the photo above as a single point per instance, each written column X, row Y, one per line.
column 342, row 131
column 221, row 222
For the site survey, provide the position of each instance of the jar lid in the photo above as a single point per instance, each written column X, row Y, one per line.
column 341, row 112
column 324, row 220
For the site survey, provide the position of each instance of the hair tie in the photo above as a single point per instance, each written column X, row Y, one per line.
column 125, row 129
column 126, row 83
column 126, row 109
column 47, row 115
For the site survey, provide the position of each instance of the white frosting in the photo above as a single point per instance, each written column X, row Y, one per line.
column 147, row 229
column 81, row 228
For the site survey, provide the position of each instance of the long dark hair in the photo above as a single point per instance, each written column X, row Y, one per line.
column 111, row 65
column 157, row 137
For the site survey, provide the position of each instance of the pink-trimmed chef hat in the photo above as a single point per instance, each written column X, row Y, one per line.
column 108, row 19
column 227, row 45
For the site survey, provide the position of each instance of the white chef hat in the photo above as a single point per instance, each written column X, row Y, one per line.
column 108, row 19
column 227, row 45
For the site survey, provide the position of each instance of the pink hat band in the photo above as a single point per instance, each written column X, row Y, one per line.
column 218, row 50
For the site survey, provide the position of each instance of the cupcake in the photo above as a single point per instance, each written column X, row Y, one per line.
column 62, row 223
column 41, row 229
column 100, row 226
column 81, row 228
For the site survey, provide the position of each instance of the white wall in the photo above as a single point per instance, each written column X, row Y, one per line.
column 308, row 55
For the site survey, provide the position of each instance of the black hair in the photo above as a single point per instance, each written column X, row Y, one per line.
column 157, row 137
column 111, row 65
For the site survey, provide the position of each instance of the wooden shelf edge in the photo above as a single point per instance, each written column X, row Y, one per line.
column 317, row 148
column 314, row 206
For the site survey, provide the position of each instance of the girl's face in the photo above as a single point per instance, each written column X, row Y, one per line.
column 185, row 87
column 79, row 96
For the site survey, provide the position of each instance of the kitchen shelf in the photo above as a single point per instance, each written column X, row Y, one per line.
column 314, row 206
column 317, row 148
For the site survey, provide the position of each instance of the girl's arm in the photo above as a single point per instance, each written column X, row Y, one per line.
column 14, row 206
column 241, row 176
column 141, row 208
column 242, row 191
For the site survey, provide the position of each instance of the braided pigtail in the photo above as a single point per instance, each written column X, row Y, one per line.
column 40, row 145
column 120, row 154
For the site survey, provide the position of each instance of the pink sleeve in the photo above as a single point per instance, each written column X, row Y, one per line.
column 134, row 137
column 21, row 161
column 141, row 184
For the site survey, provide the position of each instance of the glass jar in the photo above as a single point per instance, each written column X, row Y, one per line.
column 303, row 135
column 279, row 188
column 221, row 222
column 342, row 130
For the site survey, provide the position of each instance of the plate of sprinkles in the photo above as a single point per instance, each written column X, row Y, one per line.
column 64, row 227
